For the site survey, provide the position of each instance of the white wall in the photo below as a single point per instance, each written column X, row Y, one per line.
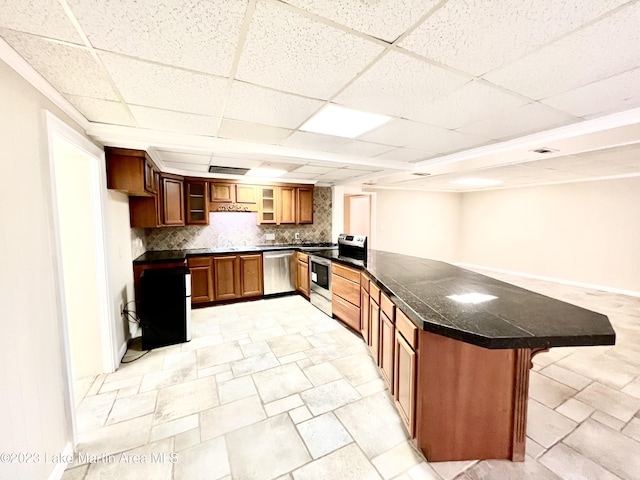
column 583, row 232
column 74, row 181
column 423, row 224
column 34, row 413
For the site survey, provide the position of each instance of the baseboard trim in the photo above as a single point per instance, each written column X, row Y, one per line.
column 604, row 288
column 58, row 471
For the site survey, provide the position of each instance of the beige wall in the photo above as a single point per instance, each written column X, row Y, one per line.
column 584, row 232
column 423, row 224
column 33, row 416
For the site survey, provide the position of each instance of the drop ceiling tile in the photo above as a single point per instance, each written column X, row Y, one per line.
column 406, row 155
column 385, row 19
column 400, row 85
column 158, row 86
column 251, row 103
column 252, row 132
column 199, row 35
column 524, row 120
column 47, row 19
column 223, row 160
column 168, row 121
column 477, row 37
column 627, row 155
column 596, row 52
column 102, row 111
column 613, row 94
column 473, row 102
column 182, row 157
column 315, row 141
column 313, row 169
column 362, row 149
column 339, row 174
column 189, row 167
column 293, row 53
column 69, row 69
column 418, row 136
column 301, row 176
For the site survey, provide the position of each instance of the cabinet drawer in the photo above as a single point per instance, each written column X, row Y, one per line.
column 364, row 282
column 374, row 292
column 346, row 289
column 345, row 311
column 387, row 306
column 199, row 261
column 346, row 272
column 303, row 257
column 407, row 328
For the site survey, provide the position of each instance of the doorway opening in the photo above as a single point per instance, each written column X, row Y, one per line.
column 357, row 215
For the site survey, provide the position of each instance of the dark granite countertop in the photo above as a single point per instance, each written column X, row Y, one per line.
column 517, row 318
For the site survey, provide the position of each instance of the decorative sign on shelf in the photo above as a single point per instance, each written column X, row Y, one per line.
column 233, row 207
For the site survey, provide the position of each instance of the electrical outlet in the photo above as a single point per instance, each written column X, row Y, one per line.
column 121, row 308
column 296, row 236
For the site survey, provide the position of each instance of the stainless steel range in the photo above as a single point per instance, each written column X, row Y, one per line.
column 352, row 246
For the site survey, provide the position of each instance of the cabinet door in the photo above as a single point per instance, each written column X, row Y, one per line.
column 251, row 275
column 222, row 192
column 364, row 315
column 172, row 201
column 304, row 205
column 405, row 382
column 287, row 201
column 302, row 277
column 267, row 205
column 387, row 343
column 197, row 196
column 150, row 178
column 374, row 333
column 201, row 269
column 246, row 194
column 226, row 277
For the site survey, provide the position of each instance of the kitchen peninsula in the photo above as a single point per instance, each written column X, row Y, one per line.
column 454, row 346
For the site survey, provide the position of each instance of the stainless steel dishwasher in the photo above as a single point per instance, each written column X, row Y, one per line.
column 279, row 271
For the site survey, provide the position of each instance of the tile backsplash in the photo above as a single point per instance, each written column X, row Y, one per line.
column 236, row 228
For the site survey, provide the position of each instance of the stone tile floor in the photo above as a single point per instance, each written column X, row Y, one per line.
column 275, row 389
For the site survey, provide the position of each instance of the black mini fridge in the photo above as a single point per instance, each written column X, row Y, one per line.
column 165, row 310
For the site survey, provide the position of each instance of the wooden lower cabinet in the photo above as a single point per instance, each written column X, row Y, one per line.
column 387, row 347
column 226, row 277
column 345, row 288
column 302, row 274
column 346, row 311
column 364, row 315
column 374, row 332
column 405, row 382
column 250, row 275
column 201, row 269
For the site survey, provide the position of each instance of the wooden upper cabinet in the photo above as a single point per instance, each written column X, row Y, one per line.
column 172, row 196
column 246, row 194
column 131, row 171
column 304, row 200
column 222, row 192
column 251, row 275
column 267, row 205
column 287, row 205
column 197, row 198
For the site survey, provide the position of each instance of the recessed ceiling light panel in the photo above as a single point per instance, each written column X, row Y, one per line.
column 476, row 182
column 343, row 122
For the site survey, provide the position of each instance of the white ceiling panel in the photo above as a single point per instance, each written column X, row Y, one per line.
column 400, row 85
column 339, row 174
column 168, row 121
column 70, row 69
column 251, row 103
column 362, row 149
column 385, row 19
column 190, row 167
column 519, row 121
column 418, row 136
column 406, row 155
column 469, row 104
column 252, row 132
column 598, row 51
column 200, row 35
column 182, row 157
column 153, row 85
column 287, row 51
column 314, row 169
column 102, row 111
column 477, row 36
column 314, row 141
column 613, row 94
column 47, row 19
column 627, row 155
column 301, row 176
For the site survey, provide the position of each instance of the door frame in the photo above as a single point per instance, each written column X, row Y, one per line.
column 56, row 128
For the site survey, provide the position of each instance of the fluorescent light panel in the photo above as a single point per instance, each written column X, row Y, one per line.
column 343, row 122
column 265, row 172
column 477, row 182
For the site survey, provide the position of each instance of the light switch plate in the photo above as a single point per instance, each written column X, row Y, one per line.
column 269, row 236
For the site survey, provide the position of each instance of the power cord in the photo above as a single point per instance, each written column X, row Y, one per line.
column 133, row 317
